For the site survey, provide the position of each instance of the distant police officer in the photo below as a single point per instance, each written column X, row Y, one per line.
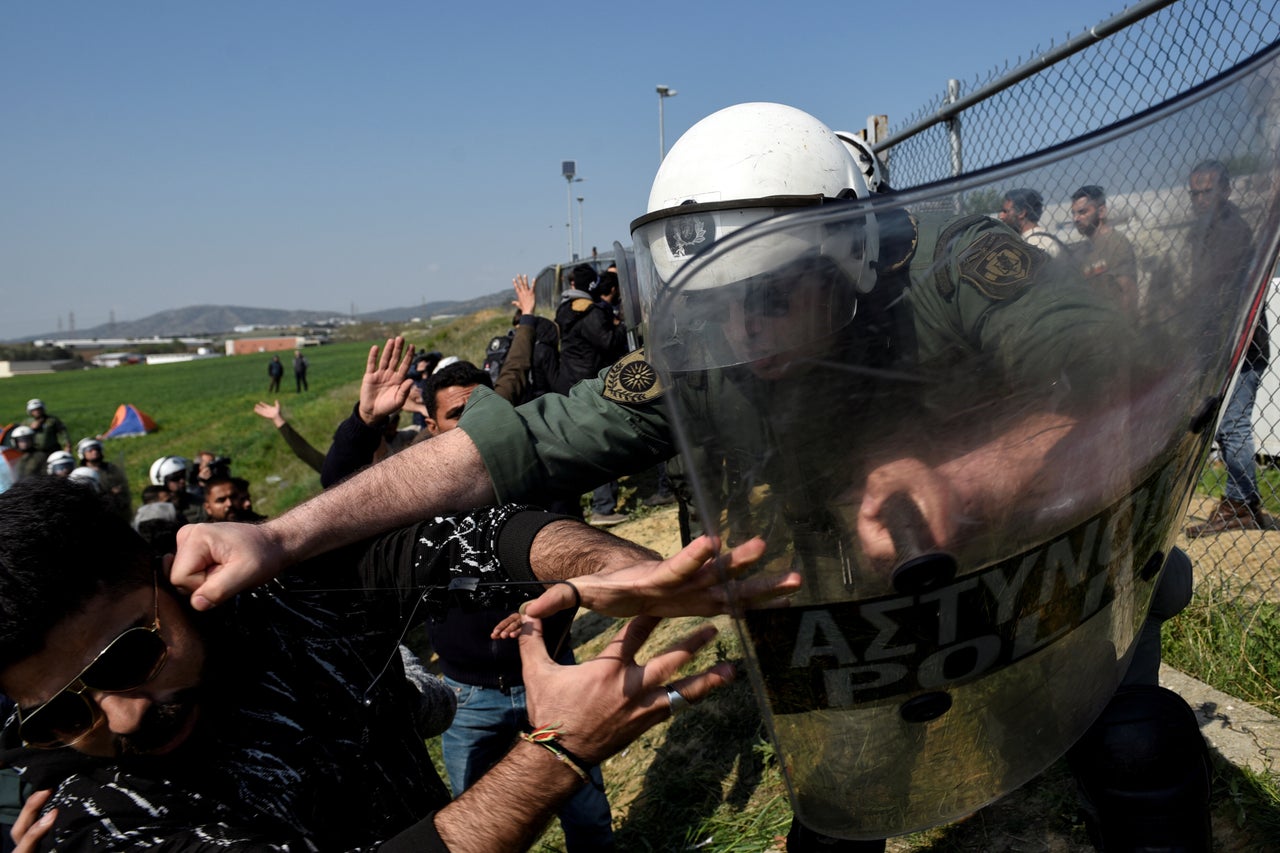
column 51, row 432
column 32, row 460
column 170, row 473
column 112, row 480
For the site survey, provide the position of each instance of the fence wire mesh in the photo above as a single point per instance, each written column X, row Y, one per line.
column 1230, row 635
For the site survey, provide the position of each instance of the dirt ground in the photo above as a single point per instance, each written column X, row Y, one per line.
column 1248, row 560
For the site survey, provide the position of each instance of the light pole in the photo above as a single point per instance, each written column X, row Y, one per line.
column 664, row 92
column 568, row 168
column 581, row 245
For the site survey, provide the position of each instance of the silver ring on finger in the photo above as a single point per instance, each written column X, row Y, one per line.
column 679, row 704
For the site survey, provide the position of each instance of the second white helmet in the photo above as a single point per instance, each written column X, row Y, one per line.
column 85, row 444
column 85, row 474
column 60, row 462
column 167, row 466
column 872, row 169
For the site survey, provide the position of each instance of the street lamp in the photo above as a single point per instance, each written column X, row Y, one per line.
column 664, row 92
column 568, row 168
column 581, row 245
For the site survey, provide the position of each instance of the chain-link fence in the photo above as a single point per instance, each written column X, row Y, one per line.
column 1135, row 61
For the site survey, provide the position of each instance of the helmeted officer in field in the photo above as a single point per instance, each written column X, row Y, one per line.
column 32, row 460
column 918, row 410
column 112, row 480
column 51, row 432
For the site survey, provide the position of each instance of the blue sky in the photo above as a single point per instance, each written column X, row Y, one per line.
column 322, row 154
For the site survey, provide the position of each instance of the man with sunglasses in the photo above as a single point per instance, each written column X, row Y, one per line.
column 915, row 315
column 282, row 722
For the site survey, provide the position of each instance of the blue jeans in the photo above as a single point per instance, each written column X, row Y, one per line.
column 484, row 727
column 1235, row 438
column 604, row 500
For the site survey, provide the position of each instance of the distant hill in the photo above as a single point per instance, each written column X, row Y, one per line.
column 501, row 299
column 222, row 319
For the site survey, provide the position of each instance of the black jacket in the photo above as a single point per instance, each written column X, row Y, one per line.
column 590, row 340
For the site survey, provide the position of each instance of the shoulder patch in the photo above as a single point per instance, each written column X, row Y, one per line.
column 942, row 252
column 581, row 305
column 999, row 264
column 632, row 380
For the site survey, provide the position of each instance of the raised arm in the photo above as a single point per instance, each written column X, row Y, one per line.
column 513, row 378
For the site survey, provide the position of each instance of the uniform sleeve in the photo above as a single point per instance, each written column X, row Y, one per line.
column 1037, row 326
column 564, row 445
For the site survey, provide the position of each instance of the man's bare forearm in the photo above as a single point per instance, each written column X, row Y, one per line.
column 445, row 474
column 570, row 549
column 507, row 807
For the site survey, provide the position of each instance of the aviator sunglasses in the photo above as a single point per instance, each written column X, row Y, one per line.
column 126, row 663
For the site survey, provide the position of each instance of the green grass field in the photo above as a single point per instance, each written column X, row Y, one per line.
column 208, row 405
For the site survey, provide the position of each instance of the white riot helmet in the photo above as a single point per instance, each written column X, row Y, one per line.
column 23, row 431
column 33, row 404
column 735, row 169
column 167, row 466
column 86, row 444
column 85, row 474
column 872, row 168
column 59, row 463
column 741, row 165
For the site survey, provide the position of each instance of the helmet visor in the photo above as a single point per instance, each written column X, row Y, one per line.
column 753, row 294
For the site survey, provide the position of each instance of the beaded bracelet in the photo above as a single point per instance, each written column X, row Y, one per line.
column 547, row 738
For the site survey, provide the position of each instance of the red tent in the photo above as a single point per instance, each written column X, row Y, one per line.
column 10, row 454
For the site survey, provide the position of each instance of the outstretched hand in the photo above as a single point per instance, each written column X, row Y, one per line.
column 385, row 387
column 694, row 582
column 525, row 299
column 270, row 412
column 603, row 704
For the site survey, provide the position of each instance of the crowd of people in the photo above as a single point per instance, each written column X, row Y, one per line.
column 1220, row 247
column 250, row 691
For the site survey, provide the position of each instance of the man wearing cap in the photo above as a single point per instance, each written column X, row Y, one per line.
column 48, row 428
column 112, row 479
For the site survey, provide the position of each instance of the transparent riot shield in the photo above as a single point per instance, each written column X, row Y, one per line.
column 977, row 453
